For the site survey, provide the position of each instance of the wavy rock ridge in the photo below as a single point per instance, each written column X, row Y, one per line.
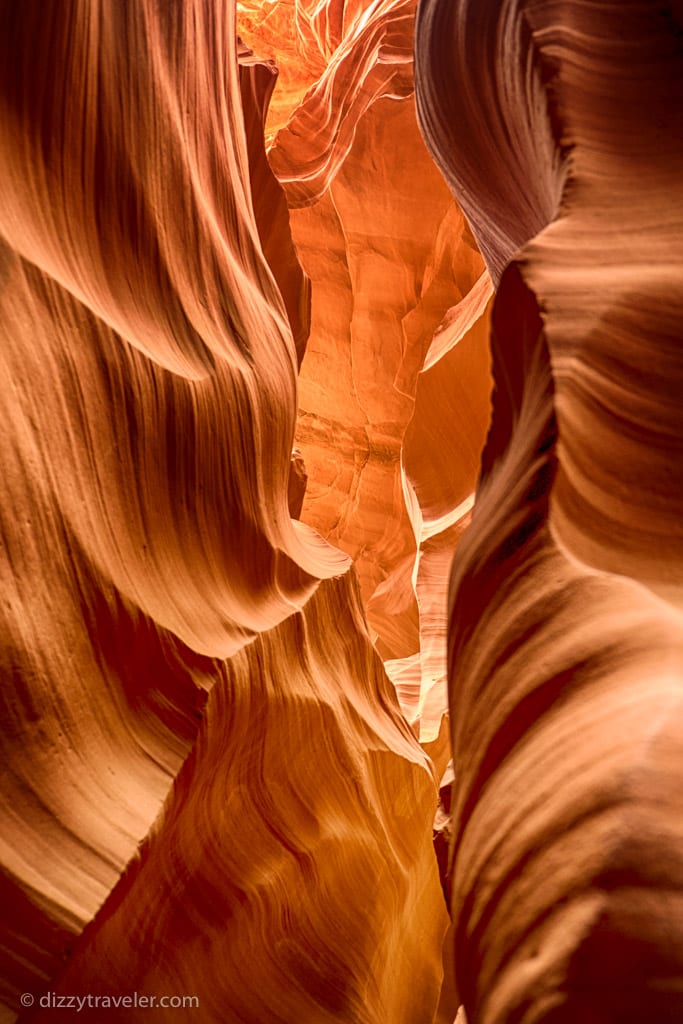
column 566, row 669
column 210, row 786
column 190, row 688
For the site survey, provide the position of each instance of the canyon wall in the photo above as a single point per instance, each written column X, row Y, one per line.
column 257, row 393
column 558, row 125
column 394, row 389
column 209, row 786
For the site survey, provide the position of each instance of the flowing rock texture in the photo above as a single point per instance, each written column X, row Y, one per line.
column 205, row 761
column 394, row 389
column 248, row 343
column 559, row 127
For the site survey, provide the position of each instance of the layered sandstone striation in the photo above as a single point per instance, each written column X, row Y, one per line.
column 558, row 125
column 206, row 764
column 248, row 338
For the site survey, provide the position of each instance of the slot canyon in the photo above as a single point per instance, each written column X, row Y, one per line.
column 341, row 531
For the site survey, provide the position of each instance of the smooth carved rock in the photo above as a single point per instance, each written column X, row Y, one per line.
column 209, row 786
column 257, row 81
column 287, row 875
column 558, row 126
column 369, row 57
column 398, row 288
column 184, row 666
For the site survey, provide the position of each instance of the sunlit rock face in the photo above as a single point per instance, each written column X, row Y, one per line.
column 394, row 388
column 558, row 126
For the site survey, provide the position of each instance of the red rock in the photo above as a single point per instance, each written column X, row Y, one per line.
column 205, row 762
column 566, row 639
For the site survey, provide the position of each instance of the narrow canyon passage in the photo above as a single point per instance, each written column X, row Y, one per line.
column 341, row 541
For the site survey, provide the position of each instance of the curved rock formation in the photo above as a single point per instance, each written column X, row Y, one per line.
column 559, row 127
column 158, row 600
column 210, row 787
column 399, row 313
column 257, row 81
column 287, row 875
column 368, row 57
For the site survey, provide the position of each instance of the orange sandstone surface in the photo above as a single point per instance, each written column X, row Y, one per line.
column 560, row 128
column 394, row 389
column 341, row 504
